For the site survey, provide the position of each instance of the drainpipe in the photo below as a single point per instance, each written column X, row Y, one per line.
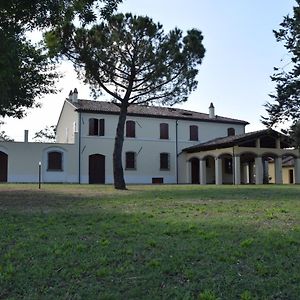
column 79, row 149
column 176, row 150
column 233, row 167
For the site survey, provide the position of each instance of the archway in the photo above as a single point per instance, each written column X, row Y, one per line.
column 3, row 166
column 247, row 160
column 97, row 168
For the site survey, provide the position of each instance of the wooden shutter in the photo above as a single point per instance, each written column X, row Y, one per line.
column 55, row 161
column 164, row 131
column 93, row 126
column 194, row 133
column 101, row 127
column 130, row 160
column 130, row 129
column 164, row 161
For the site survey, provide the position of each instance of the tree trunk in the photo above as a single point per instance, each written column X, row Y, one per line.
column 119, row 181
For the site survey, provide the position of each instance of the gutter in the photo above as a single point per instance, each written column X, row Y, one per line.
column 79, row 149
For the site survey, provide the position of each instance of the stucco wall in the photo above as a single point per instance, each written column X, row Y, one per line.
column 24, row 158
column 67, row 124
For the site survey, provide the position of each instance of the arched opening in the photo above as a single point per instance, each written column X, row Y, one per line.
column 97, row 168
column 247, row 160
column 210, row 169
column 230, row 131
column 3, row 166
column 227, row 168
column 195, row 170
column 269, row 167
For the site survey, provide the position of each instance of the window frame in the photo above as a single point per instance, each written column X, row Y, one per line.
column 164, row 161
column 96, row 127
column 230, row 131
column 164, row 131
column 131, row 160
column 50, row 163
column 130, row 129
column 194, row 133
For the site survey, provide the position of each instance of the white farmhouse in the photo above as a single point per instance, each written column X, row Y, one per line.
column 161, row 145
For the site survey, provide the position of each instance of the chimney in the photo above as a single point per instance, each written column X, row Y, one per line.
column 75, row 96
column 211, row 111
column 26, row 136
column 70, row 96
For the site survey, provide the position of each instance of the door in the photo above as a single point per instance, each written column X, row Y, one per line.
column 3, row 166
column 195, row 170
column 96, row 168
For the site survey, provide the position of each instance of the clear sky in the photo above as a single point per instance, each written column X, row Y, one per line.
column 241, row 52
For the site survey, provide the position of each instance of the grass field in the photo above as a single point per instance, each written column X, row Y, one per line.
column 150, row 242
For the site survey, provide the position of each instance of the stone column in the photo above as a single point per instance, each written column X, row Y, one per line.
column 237, row 170
column 218, row 170
column 278, row 170
column 258, row 170
column 188, row 171
column 202, row 171
column 297, row 170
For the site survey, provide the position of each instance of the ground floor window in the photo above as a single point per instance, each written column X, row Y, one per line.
column 55, row 161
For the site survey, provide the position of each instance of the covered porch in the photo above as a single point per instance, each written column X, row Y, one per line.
column 240, row 159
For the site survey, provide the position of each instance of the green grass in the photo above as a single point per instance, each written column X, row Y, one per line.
column 150, row 242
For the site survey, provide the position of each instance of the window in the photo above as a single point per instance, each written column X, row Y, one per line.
column 130, row 129
column 164, row 161
column 130, row 161
column 54, row 161
column 193, row 133
column 164, row 131
column 230, row 131
column 228, row 165
column 96, row 127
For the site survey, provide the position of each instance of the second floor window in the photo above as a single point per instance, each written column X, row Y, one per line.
column 130, row 129
column 55, row 161
column 230, row 131
column 164, row 131
column 164, row 161
column 130, row 161
column 96, row 127
column 193, row 133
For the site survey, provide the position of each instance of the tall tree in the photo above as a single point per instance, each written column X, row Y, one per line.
column 26, row 73
column 134, row 61
column 285, row 104
column 3, row 136
column 46, row 135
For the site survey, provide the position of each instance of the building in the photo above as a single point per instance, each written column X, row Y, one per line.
column 161, row 145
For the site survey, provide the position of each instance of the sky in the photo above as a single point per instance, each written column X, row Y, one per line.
column 241, row 52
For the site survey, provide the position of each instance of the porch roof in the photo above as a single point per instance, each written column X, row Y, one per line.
column 241, row 140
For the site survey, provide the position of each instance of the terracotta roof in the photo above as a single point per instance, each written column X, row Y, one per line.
column 230, row 141
column 151, row 111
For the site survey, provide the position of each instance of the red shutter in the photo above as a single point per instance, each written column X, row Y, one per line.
column 194, row 133
column 130, row 129
column 164, row 161
column 101, row 127
column 130, row 160
column 164, row 131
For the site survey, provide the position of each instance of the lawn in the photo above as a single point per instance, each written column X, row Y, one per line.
column 150, row 242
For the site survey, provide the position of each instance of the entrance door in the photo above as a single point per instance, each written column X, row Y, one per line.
column 96, row 168
column 195, row 170
column 3, row 166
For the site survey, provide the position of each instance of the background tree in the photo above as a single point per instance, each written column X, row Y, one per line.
column 26, row 72
column 46, row 135
column 3, row 136
column 285, row 106
column 134, row 61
